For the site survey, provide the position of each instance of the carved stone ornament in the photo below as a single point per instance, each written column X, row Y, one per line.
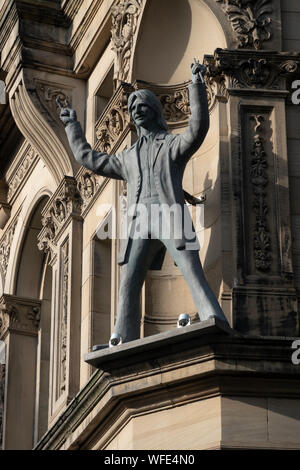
column 65, row 202
column 62, row 346
column 5, row 246
column 41, row 126
column 125, row 14
column 21, row 173
column 250, row 20
column 49, row 92
column 176, row 106
column 19, row 314
column 88, row 184
column 115, row 121
column 256, row 70
column 260, row 180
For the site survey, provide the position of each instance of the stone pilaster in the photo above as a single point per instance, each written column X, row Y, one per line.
column 19, row 325
column 61, row 238
column 258, row 212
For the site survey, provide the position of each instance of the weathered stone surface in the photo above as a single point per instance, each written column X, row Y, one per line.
column 229, row 391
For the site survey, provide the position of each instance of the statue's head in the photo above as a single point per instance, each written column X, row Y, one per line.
column 145, row 110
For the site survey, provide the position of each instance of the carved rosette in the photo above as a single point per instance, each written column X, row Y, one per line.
column 65, row 203
column 19, row 314
column 5, row 246
column 125, row 14
column 111, row 129
column 88, row 184
column 250, row 20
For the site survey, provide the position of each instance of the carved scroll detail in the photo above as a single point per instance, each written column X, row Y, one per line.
column 176, row 106
column 48, row 94
column 125, row 14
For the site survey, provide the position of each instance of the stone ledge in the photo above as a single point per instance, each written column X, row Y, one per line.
column 187, row 367
column 154, row 343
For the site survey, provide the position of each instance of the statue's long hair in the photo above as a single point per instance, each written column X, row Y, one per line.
column 153, row 102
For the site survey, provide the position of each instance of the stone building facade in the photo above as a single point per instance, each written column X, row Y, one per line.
column 59, row 280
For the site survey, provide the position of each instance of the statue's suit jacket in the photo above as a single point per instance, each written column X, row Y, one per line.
column 170, row 156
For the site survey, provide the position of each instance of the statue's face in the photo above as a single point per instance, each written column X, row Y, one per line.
column 142, row 114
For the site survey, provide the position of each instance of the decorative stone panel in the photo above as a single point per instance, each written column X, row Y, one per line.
column 65, row 203
column 5, row 245
column 20, row 174
column 125, row 15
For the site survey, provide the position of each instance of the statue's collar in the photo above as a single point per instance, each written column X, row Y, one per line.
column 154, row 136
column 160, row 135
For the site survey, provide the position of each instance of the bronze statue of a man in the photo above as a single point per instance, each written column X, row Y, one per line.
column 153, row 168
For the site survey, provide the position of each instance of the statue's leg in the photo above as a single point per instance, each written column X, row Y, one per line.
column 189, row 263
column 133, row 275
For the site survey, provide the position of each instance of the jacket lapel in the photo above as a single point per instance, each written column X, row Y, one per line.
column 158, row 141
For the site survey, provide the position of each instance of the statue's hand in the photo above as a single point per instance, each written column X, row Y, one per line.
column 198, row 72
column 67, row 114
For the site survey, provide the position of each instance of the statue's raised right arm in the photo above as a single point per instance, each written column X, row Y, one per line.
column 98, row 162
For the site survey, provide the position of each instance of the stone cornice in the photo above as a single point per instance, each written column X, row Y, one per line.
column 172, row 369
column 253, row 69
column 71, row 8
column 85, row 23
column 20, row 315
column 51, row 12
column 28, row 43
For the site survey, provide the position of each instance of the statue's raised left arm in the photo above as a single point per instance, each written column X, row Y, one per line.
column 191, row 139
